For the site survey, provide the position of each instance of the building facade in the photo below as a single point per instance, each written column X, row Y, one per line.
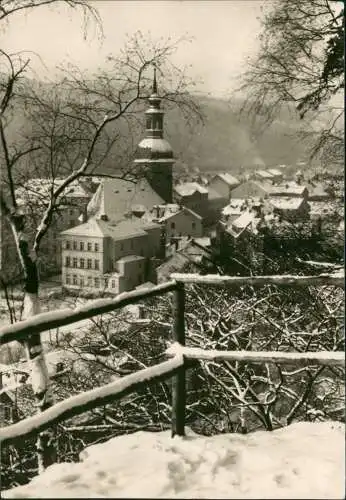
column 104, row 255
column 224, row 184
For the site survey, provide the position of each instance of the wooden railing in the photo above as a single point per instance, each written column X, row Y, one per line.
column 180, row 354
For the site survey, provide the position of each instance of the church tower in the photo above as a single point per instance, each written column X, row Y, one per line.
column 154, row 154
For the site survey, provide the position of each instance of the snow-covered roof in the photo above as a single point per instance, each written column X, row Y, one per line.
column 189, row 188
column 274, row 171
column 123, row 229
column 264, row 174
column 229, row 179
column 204, row 241
column 116, row 197
column 39, row 189
column 236, row 206
column 286, row 189
column 286, row 203
column 244, row 220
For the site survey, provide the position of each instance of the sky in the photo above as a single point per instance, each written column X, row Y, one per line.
column 224, row 34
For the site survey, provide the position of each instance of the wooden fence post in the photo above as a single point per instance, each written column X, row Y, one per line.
column 179, row 385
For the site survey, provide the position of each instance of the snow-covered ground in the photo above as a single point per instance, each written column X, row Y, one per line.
column 304, row 460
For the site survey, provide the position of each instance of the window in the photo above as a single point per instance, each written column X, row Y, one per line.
column 97, row 264
column 113, row 283
column 81, row 281
column 194, row 225
column 89, row 263
column 71, row 212
column 89, row 247
column 173, row 225
column 97, row 282
column 75, row 261
column 81, row 263
column 74, row 245
column 81, row 246
column 67, row 245
column 67, row 262
column 96, row 247
column 106, row 282
column 8, row 413
column 122, row 247
column 68, row 279
column 74, row 279
column 90, row 282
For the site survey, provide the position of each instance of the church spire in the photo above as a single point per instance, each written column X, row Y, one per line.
column 154, row 82
column 154, row 152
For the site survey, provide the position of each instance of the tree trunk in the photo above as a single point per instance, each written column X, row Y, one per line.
column 34, row 351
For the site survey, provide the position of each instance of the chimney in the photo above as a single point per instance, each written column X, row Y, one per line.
column 156, row 209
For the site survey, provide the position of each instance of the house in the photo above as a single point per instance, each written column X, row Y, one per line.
column 109, row 255
column 250, row 189
column 235, row 208
column 289, row 189
column 263, row 175
column 242, row 239
column 292, row 209
column 317, row 192
column 223, row 184
column 216, row 202
column 277, row 175
column 191, row 195
column 190, row 256
column 177, row 221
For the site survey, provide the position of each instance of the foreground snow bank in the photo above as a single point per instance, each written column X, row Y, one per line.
column 304, row 460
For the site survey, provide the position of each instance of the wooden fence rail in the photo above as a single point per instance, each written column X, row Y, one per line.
column 327, row 358
column 173, row 367
column 88, row 400
column 331, row 279
column 62, row 317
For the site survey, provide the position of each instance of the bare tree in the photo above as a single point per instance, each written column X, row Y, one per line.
column 79, row 118
column 300, row 66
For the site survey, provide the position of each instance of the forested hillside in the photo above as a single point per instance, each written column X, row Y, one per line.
column 225, row 140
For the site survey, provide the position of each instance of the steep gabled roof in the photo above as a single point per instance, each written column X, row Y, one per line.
column 265, row 174
column 116, row 197
column 214, row 195
column 189, row 188
column 117, row 230
column 169, row 215
column 229, row 179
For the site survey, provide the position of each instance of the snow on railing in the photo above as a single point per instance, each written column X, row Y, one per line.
column 334, row 279
column 327, row 358
column 89, row 400
column 62, row 317
column 176, row 366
